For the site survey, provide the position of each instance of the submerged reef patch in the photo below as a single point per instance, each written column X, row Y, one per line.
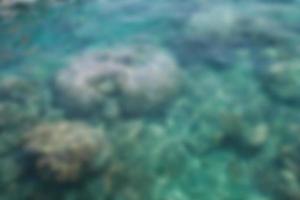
column 281, row 80
column 280, row 176
column 62, row 151
column 20, row 102
column 122, row 80
column 238, row 24
column 219, row 32
column 125, row 100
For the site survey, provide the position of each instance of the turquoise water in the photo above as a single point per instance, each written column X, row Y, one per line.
column 150, row 100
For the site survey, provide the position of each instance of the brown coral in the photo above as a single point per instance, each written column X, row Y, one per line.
column 63, row 151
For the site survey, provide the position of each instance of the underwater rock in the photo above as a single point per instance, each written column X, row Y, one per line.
column 65, row 151
column 281, row 81
column 125, row 80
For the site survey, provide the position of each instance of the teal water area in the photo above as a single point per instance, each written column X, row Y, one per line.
column 210, row 111
column 65, row 28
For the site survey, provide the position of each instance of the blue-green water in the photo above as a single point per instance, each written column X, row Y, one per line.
column 150, row 100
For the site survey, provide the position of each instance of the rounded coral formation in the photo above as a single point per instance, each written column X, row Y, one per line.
column 224, row 24
column 220, row 33
column 281, row 81
column 130, row 80
column 64, row 151
column 149, row 86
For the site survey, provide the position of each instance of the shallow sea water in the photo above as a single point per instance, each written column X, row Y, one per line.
column 231, row 132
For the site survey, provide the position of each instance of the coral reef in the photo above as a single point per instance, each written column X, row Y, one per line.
column 280, row 176
column 217, row 32
column 20, row 102
column 108, row 123
column 243, row 137
column 281, row 80
column 130, row 80
column 17, row 89
column 63, row 151
column 228, row 27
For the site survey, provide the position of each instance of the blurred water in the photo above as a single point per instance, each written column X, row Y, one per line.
column 231, row 132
